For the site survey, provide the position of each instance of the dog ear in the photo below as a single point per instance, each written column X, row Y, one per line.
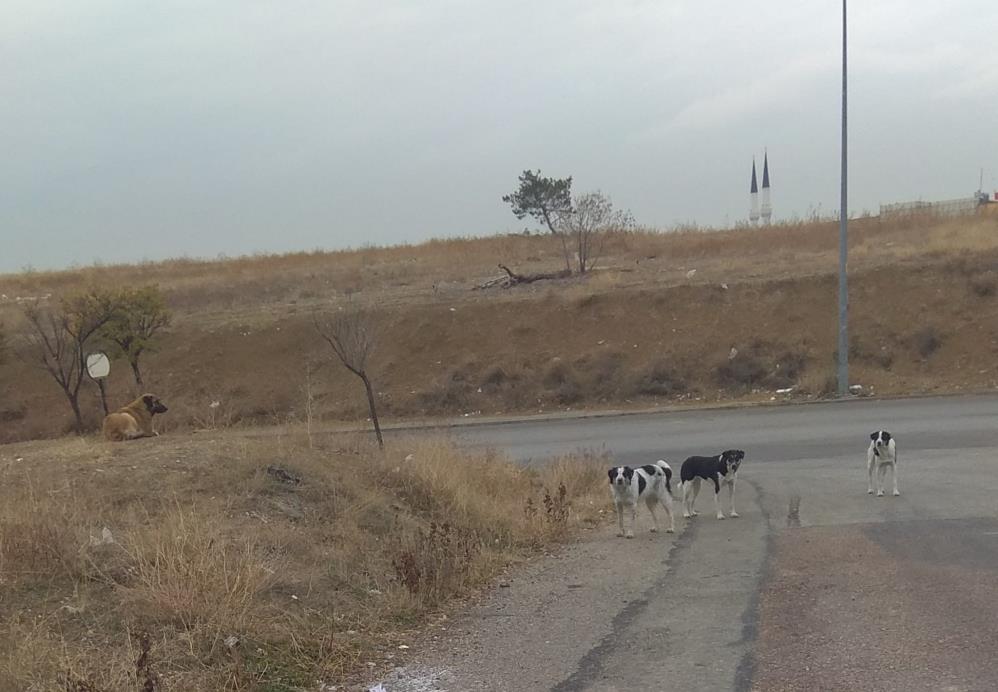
column 887, row 436
column 873, row 435
column 628, row 472
column 612, row 472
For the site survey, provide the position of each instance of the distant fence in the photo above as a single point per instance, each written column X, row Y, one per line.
column 950, row 207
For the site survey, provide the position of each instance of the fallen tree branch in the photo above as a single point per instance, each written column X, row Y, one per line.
column 513, row 279
column 502, row 280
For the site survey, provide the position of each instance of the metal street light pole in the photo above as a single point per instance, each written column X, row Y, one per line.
column 843, row 369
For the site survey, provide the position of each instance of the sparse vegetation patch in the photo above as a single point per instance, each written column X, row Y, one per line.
column 228, row 564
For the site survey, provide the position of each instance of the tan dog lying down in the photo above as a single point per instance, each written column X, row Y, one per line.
column 134, row 420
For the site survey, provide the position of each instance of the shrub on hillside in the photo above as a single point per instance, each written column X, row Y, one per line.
column 985, row 285
column 496, row 379
column 860, row 351
column 660, row 379
column 602, row 373
column 927, row 341
column 789, row 369
column 754, row 369
column 744, row 371
column 562, row 384
column 449, row 396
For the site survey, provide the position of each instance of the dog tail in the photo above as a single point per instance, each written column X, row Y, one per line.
column 667, row 472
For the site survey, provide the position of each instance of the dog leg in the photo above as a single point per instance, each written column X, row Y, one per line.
column 634, row 520
column 651, row 508
column 731, row 499
column 869, row 470
column 693, row 502
column 717, row 497
column 667, row 503
column 881, row 472
column 894, row 477
column 620, row 518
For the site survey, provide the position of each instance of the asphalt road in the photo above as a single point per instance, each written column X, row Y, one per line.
column 817, row 586
column 785, row 433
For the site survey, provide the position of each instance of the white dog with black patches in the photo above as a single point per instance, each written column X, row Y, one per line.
column 881, row 455
column 720, row 470
column 651, row 483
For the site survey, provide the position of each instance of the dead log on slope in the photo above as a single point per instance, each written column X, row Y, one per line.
column 514, row 279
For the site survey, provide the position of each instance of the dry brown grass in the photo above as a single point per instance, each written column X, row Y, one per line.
column 645, row 329
column 214, row 289
column 176, row 547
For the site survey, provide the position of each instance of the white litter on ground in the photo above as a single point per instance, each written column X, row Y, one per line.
column 415, row 679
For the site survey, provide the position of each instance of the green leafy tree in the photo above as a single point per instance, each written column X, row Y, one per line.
column 546, row 200
column 56, row 340
column 141, row 314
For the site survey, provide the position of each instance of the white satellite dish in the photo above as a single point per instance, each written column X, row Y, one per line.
column 98, row 365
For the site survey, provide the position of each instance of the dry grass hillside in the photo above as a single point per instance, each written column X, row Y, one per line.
column 216, row 562
column 757, row 314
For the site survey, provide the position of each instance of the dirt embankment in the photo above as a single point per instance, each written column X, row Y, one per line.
column 915, row 327
column 686, row 316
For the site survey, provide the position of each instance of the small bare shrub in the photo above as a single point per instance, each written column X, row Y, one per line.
column 569, row 392
column 562, row 383
column 556, row 506
column 882, row 357
column 753, row 368
column 435, row 563
column 659, row 379
column 985, row 285
column 927, row 341
column 497, row 379
column 13, row 412
column 789, row 369
column 744, row 371
column 452, row 395
column 604, row 372
column 214, row 415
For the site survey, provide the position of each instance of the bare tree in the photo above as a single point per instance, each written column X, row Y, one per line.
column 56, row 341
column 352, row 336
column 592, row 218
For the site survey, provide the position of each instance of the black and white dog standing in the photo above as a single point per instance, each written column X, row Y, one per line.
column 721, row 470
column 651, row 483
column 881, row 455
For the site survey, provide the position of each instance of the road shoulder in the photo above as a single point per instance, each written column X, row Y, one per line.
column 611, row 614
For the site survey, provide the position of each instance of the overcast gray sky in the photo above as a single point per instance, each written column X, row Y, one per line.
column 143, row 130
